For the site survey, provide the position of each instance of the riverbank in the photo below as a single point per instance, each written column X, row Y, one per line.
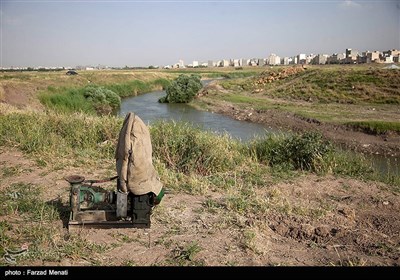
column 387, row 144
column 334, row 120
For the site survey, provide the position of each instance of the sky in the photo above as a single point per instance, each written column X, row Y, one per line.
column 121, row 33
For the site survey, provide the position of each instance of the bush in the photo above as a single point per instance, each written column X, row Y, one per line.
column 182, row 90
column 306, row 152
column 104, row 100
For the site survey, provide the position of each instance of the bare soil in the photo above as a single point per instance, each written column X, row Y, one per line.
column 19, row 96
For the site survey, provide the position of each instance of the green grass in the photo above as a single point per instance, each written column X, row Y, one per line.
column 239, row 98
column 58, row 135
column 308, row 151
column 19, row 76
column 68, row 100
column 375, row 127
column 136, row 87
column 186, row 255
column 187, row 149
column 24, row 200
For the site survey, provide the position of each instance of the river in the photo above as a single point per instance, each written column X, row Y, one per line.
column 147, row 107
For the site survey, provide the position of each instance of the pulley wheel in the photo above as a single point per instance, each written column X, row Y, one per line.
column 74, row 179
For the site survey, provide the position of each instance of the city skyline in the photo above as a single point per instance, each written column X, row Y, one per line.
column 138, row 33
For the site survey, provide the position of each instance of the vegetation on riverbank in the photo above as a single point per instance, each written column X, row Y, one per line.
column 375, row 127
column 96, row 99
column 182, row 150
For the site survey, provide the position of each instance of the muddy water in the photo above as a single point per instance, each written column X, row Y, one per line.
column 147, row 107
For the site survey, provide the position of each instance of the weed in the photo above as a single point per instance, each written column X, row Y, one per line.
column 185, row 255
column 375, row 127
column 212, row 206
column 10, row 171
column 249, row 239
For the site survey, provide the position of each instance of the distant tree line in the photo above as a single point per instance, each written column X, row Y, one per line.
column 33, row 69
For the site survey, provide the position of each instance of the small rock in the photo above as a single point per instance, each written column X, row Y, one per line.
column 385, row 203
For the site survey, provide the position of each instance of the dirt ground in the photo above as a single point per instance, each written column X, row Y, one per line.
column 312, row 221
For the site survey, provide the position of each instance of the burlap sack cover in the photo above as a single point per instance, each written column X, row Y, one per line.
column 134, row 158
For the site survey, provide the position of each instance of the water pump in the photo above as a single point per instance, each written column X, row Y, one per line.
column 138, row 185
column 95, row 207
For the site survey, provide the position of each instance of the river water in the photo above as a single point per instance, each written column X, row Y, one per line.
column 147, row 107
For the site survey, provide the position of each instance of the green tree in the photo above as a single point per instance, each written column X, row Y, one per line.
column 182, row 90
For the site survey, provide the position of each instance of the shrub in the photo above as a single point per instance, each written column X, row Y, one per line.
column 306, row 151
column 104, row 100
column 182, row 90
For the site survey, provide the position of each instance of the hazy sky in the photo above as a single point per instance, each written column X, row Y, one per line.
column 143, row 33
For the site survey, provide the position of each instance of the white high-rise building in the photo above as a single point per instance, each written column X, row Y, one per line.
column 273, row 59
